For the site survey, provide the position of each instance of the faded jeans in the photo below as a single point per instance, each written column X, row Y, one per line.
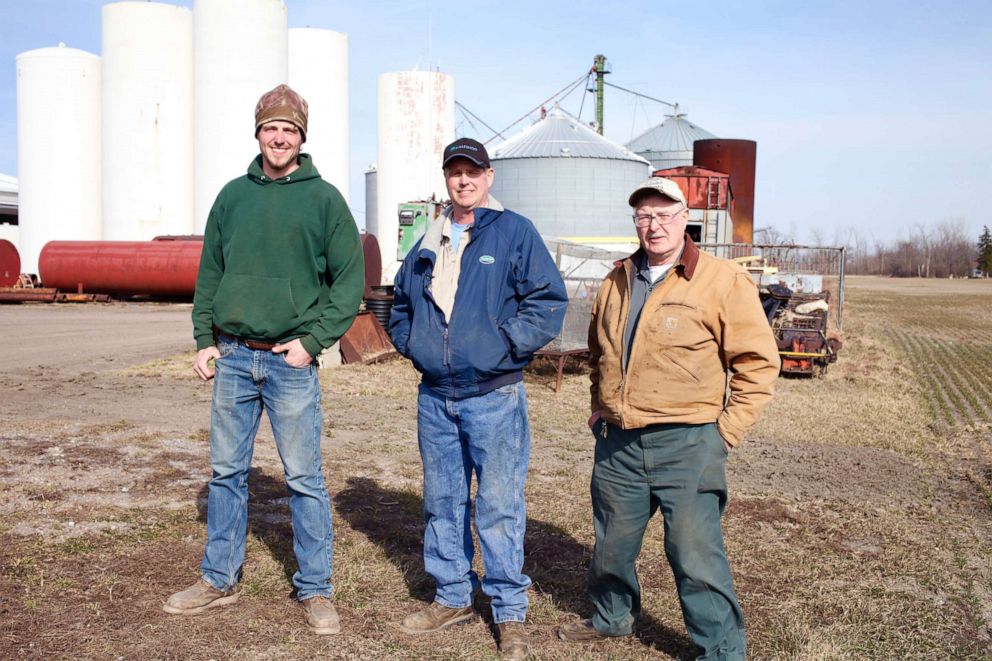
column 679, row 469
column 490, row 436
column 245, row 382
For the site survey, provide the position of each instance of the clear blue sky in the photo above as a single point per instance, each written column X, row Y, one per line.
column 871, row 115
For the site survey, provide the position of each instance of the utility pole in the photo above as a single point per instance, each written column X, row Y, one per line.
column 599, row 68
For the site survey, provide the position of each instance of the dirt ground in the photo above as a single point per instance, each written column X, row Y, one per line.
column 859, row 524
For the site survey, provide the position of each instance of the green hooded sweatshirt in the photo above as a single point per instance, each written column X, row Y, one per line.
column 281, row 260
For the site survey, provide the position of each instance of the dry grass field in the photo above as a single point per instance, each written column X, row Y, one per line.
column 860, row 523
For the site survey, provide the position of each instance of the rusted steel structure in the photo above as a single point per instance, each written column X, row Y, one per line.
column 710, row 199
column 10, row 264
column 121, row 268
column 737, row 158
column 703, row 188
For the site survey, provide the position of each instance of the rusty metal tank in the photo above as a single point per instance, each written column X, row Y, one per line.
column 373, row 262
column 737, row 158
column 122, row 268
column 165, row 266
column 10, row 264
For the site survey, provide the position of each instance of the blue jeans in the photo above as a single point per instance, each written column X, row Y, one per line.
column 489, row 435
column 678, row 469
column 245, row 382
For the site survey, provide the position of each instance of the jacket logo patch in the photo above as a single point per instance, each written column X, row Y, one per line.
column 671, row 323
column 487, row 259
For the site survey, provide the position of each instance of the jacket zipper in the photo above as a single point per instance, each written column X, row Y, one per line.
column 446, row 352
column 623, row 367
column 624, row 358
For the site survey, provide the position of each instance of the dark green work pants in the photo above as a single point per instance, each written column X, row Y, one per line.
column 678, row 469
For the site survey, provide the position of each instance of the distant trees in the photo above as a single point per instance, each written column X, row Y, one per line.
column 985, row 252
column 941, row 250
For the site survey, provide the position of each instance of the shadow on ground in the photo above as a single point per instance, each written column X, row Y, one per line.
column 554, row 560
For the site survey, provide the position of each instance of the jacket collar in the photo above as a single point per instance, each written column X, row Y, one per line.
column 687, row 262
column 436, row 230
column 492, row 204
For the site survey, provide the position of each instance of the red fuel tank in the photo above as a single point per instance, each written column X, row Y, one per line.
column 10, row 264
column 122, row 268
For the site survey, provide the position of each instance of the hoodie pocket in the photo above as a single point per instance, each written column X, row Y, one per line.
column 258, row 306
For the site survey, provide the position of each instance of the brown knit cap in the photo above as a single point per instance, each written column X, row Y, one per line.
column 282, row 103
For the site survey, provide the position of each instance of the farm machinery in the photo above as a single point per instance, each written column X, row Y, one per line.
column 798, row 320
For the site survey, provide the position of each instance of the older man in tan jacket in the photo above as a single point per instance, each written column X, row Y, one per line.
column 671, row 329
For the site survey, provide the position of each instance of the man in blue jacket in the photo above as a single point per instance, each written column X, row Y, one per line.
column 474, row 299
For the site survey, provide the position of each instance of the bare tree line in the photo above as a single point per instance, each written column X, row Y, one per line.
column 939, row 250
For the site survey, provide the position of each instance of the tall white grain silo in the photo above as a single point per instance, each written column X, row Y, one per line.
column 415, row 120
column 318, row 70
column 240, row 52
column 147, row 120
column 58, row 149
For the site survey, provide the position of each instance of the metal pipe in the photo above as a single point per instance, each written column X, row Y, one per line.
column 840, row 287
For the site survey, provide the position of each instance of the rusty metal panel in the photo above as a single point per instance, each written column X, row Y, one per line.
column 10, row 264
column 366, row 341
column 123, row 268
column 736, row 157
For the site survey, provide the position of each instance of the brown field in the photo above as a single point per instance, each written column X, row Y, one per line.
column 860, row 523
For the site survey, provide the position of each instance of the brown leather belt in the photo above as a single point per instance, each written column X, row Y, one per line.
column 257, row 345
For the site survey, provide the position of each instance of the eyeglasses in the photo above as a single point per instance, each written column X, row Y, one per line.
column 471, row 173
column 645, row 220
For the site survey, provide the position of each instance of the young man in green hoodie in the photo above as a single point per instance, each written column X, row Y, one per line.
column 281, row 278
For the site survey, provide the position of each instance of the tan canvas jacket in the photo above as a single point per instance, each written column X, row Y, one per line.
column 702, row 325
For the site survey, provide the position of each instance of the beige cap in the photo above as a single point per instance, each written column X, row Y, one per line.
column 666, row 187
column 282, row 103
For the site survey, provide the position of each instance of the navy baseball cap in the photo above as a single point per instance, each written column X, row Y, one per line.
column 468, row 148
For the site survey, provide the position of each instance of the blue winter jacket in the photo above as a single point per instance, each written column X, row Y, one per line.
column 510, row 302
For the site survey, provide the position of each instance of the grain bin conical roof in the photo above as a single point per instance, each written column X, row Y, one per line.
column 561, row 135
column 669, row 144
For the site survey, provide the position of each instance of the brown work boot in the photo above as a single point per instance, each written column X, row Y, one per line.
column 197, row 598
column 436, row 617
column 580, row 632
column 513, row 641
column 322, row 618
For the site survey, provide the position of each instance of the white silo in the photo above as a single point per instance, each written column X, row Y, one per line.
column 147, row 120
column 58, row 149
column 318, row 70
column 415, row 120
column 239, row 52
column 570, row 181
